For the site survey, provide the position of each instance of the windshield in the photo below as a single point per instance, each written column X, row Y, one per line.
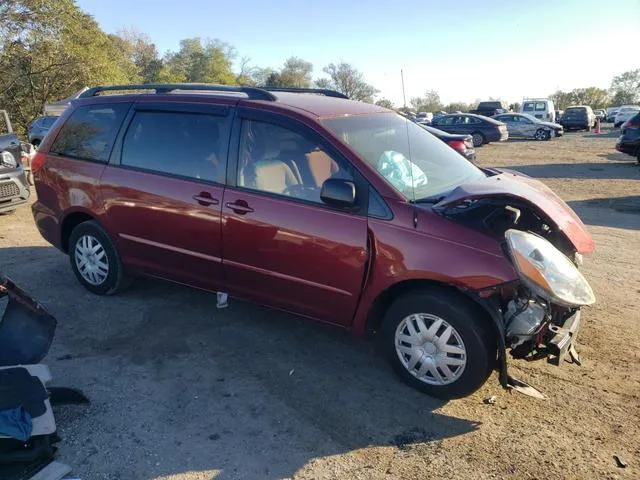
column 416, row 163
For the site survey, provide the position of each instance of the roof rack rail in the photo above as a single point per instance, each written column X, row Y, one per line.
column 251, row 92
column 322, row 91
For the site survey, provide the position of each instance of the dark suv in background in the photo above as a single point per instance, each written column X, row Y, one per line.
column 340, row 211
column 578, row 118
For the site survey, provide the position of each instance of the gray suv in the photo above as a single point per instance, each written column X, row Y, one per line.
column 39, row 128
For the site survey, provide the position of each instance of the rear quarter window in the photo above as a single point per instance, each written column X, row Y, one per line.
column 90, row 131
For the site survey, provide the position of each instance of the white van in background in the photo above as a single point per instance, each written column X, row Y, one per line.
column 541, row 108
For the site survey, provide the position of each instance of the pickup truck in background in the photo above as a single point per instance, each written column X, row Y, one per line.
column 489, row 109
column 14, row 188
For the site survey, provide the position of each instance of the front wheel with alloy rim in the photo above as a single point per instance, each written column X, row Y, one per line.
column 439, row 342
column 95, row 260
column 541, row 134
column 478, row 139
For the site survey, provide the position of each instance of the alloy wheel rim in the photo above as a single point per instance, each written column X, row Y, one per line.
column 91, row 260
column 430, row 349
column 477, row 139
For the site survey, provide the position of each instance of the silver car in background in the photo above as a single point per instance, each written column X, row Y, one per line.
column 523, row 125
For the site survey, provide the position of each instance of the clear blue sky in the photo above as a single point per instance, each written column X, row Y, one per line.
column 464, row 49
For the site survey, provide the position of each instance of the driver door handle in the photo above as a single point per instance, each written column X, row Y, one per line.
column 239, row 207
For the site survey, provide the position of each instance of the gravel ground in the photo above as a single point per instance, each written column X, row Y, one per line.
column 181, row 390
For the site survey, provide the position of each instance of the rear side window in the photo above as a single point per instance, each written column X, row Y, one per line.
column 192, row 145
column 528, row 106
column 89, row 132
column 446, row 120
column 541, row 106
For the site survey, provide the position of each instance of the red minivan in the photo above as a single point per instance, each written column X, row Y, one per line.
column 337, row 210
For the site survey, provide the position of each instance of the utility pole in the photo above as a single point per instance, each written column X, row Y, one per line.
column 404, row 98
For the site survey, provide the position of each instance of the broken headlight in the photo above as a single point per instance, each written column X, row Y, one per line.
column 547, row 271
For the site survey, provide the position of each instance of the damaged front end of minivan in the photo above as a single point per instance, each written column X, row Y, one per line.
column 538, row 316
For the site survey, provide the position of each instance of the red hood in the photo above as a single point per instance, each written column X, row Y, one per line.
column 527, row 189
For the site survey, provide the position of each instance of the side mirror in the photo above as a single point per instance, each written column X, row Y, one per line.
column 338, row 193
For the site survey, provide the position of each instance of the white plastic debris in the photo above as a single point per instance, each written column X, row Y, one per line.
column 223, row 300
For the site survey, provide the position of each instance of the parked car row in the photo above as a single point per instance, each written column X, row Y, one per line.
column 340, row 211
column 625, row 113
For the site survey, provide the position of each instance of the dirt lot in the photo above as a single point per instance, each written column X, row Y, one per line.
column 180, row 390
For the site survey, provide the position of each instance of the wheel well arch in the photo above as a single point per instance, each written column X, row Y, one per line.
column 384, row 300
column 70, row 222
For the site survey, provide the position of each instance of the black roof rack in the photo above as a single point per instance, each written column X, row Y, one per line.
column 322, row 91
column 251, row 92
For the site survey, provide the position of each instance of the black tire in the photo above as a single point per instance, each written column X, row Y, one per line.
column 470, row 324
column 540, row 135
column 547, row 135
column 478, row 139
column 116, row 279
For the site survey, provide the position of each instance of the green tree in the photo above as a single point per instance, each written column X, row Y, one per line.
column 625, row 88
column 295, row 73
column 429, row 102
column 139, row 48
column 458, row 107
column 345, row 78
column 198, row 62
column 561, row 100
column 593, row 96
column 261, row 76
column 385, row 103
column 50, row 50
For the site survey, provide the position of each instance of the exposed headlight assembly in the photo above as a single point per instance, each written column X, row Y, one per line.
column 7, row 158
column 547, row 271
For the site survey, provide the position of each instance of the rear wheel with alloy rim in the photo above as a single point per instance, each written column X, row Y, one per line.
column 95, row 260
column 478, row 139
column 439, row 342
